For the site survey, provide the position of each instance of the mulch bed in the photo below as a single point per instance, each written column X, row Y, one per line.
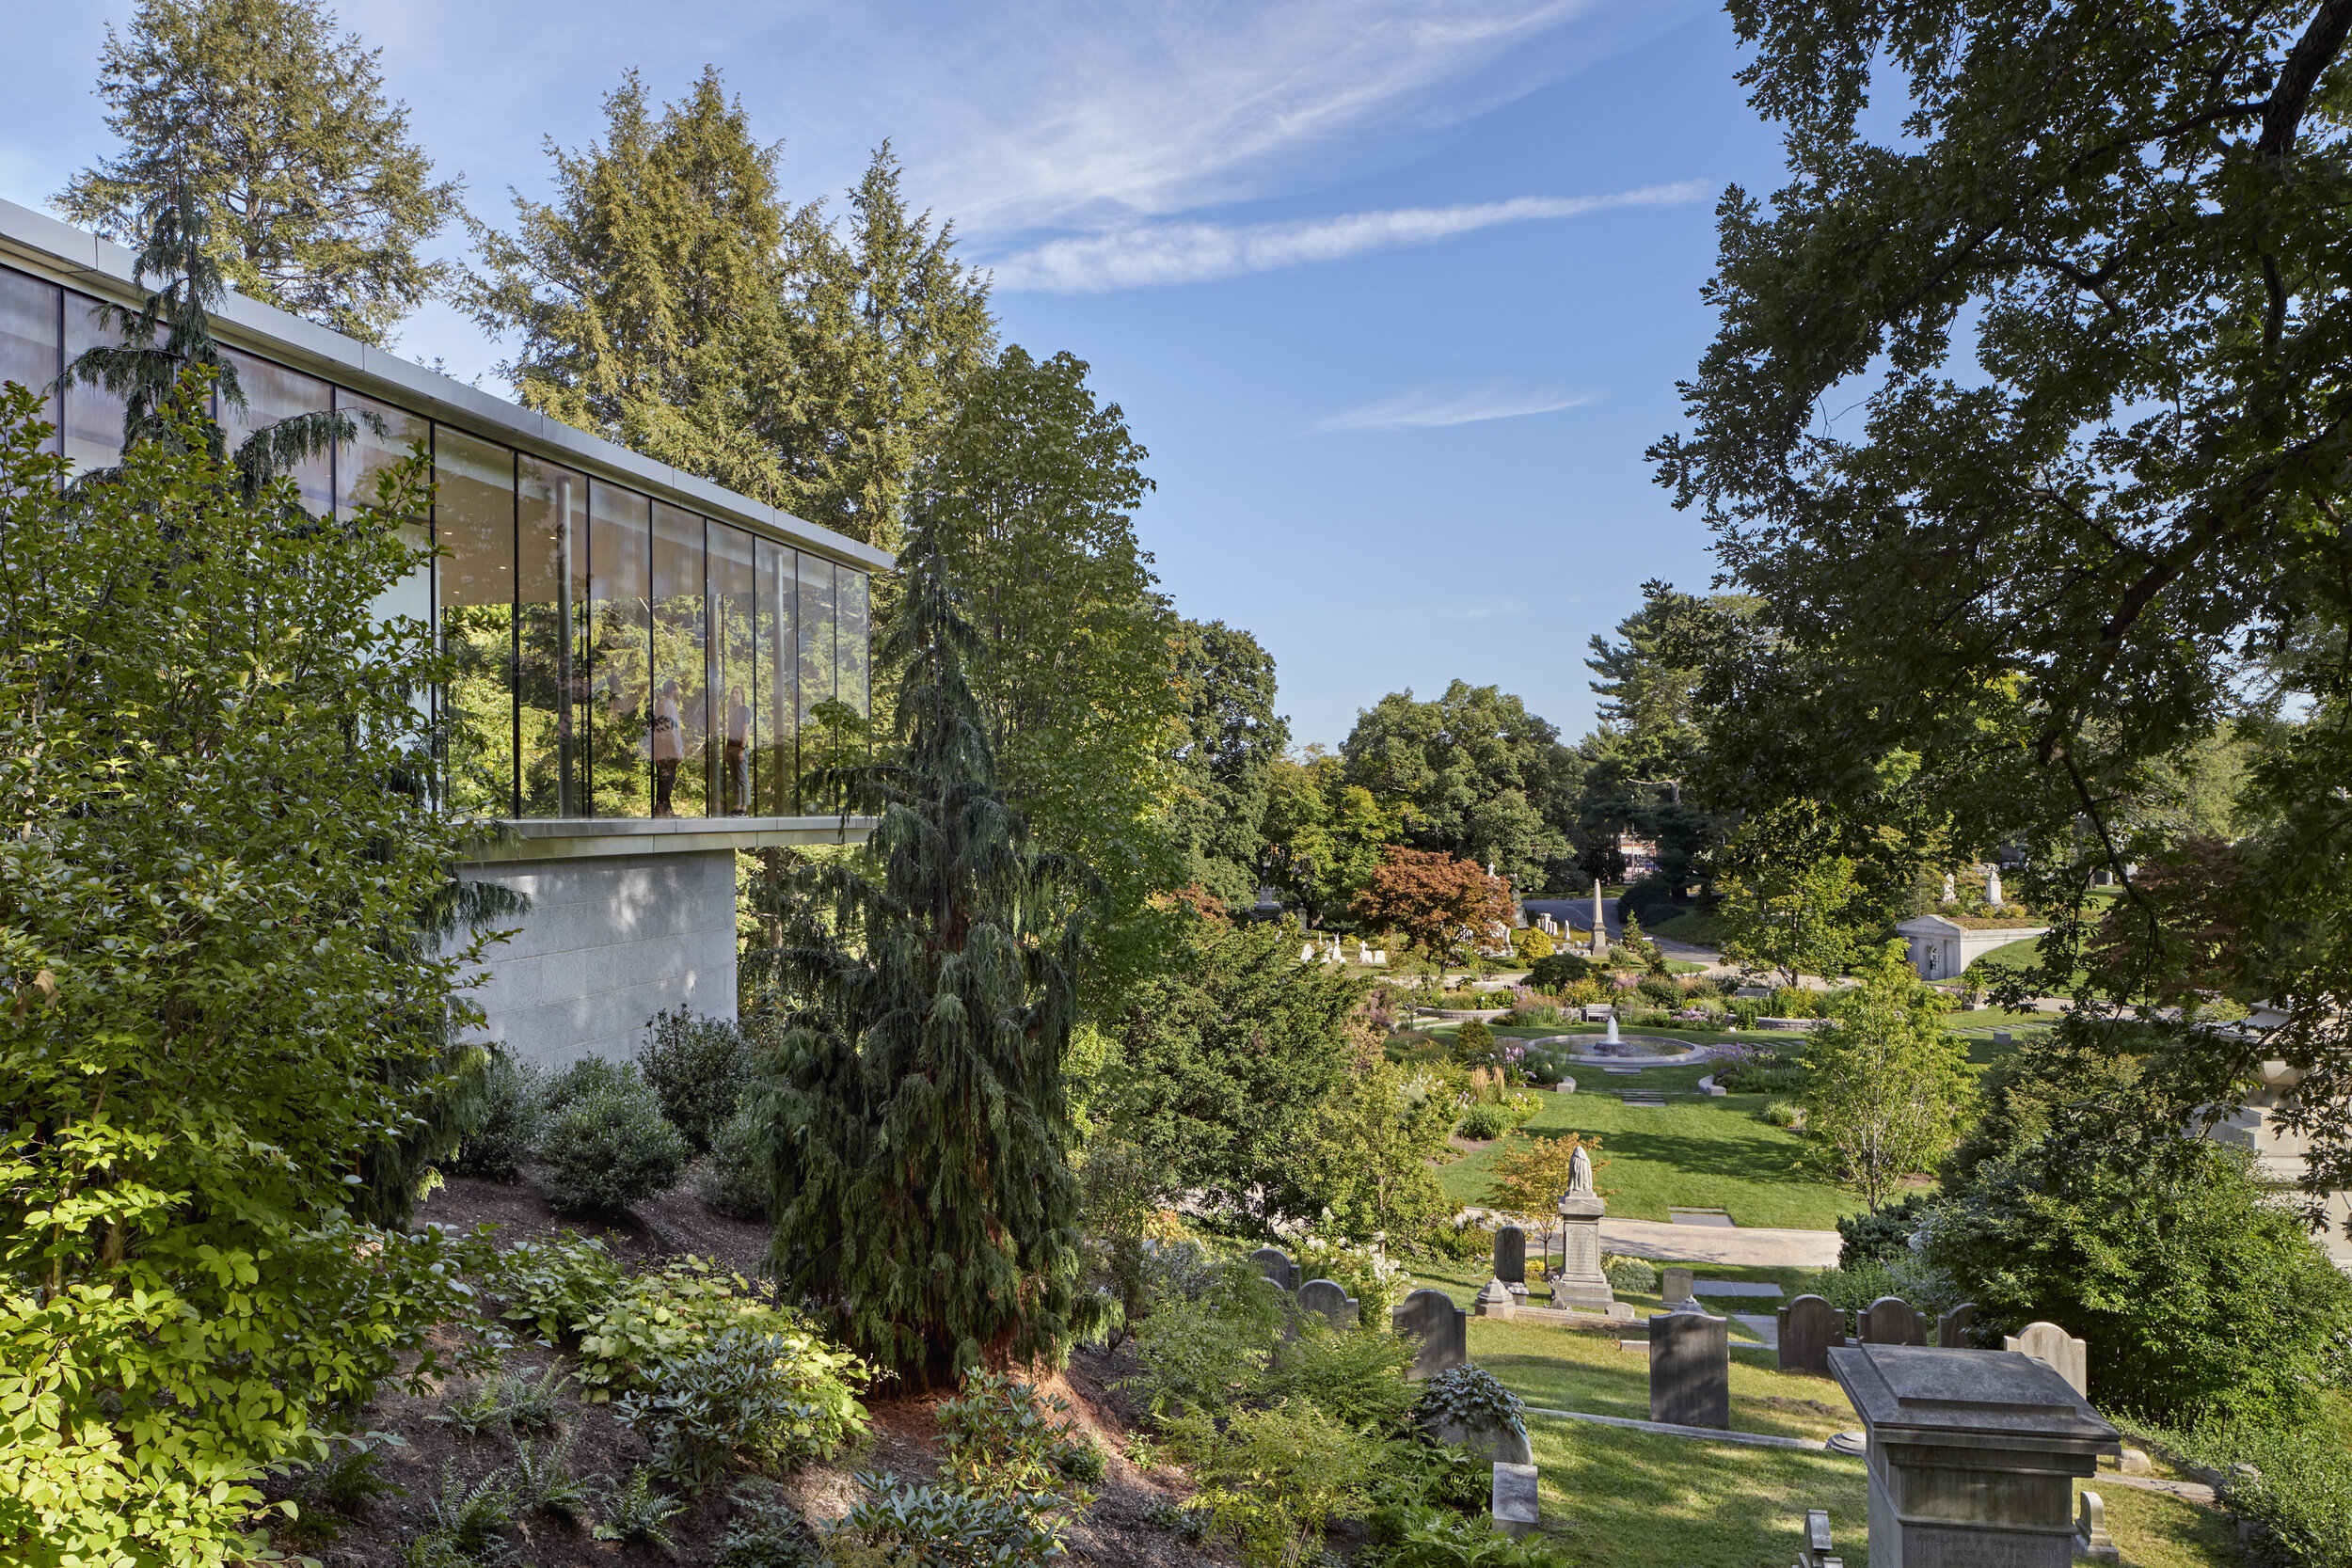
column 903, row 1442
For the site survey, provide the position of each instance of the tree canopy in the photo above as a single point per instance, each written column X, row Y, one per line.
column 1227, row 756
column 1485, row 778
column 315, row 197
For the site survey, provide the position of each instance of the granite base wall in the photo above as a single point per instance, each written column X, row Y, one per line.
column 610, row 940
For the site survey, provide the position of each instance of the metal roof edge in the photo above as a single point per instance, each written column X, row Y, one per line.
column 258, row 326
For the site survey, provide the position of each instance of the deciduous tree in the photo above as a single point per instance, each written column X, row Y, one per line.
column 1324, row 835
column 315, row 198
column 1231, row 740
column 1432, row 899
column 1886, row 1088
column 1485, row 778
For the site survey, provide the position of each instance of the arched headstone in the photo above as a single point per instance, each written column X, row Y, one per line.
column 1511, row 1255
column 1951, row 1329
column 1892, row 1321
column 1430, row 1317
column 1809, row 1327
column 1276, row 1264
column 2057, row 1350
column 1329, row 1298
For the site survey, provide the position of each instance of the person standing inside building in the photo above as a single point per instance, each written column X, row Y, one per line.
column 669, row 748
column 738, row 757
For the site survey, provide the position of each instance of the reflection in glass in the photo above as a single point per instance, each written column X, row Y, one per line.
column 620, row 650
column 681, row 721
column 771, row 713
column 734, row 683
column 816, row 681
column 30, row 337
column 848, row 610
column 93, row 416
column 551, row 614
column 473, row 518
column 271, row 394
column 383, row 436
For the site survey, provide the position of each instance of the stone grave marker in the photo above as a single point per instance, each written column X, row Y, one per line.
column 1808, row 1327
column 2091, row 1539
column 1511, row 1255
column 1674, row 1294
column 1276, row 1264
column 1330, row 1298
column 1892, row 1321
column 1817, row 1552
column 1973, row 1454
column 2060, row 1350
column 1689, row 1369
column 1430, row 1318
column 1514, row 1503
column 1951, row 1329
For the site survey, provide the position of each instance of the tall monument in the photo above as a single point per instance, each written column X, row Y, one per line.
column 1580, row 1284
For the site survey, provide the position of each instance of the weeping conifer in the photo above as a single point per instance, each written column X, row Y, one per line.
column 919, row 1128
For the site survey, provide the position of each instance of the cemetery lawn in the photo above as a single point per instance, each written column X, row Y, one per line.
column 1694, row 1153
column 1633, row 1499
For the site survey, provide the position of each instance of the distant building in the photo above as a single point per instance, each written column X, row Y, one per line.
column 1942, row 948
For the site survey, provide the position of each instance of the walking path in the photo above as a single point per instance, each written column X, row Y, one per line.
column 1757, row 1247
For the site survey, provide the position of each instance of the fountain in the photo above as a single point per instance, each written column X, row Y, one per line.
column 1612, row 1029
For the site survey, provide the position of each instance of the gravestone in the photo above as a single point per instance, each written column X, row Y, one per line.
column 1580, row 1286
column 1817, row 1552
column 1276, row 1264
column 1891, row 1320
column 1329, row 1298
column 2001, row 1037
column 1951, row 1329
column 1674, row 1294
column 1689, row 1369
column 1808, row 1327
column 1973, row 1454
column 2091, row 1539
column 1495, row 1300
column 1431, row 1318
column 1566, row 1086
column 2066, row 1356
column 1511, row 1255
column 1514, row 1503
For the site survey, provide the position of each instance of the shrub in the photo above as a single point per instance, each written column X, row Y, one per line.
column 1882, row 1237
column 506, row 1125
column 1531, row 945
column 1482, row 1123
column 557, row 1286
column 2298, row 1493
column 735, row 1179
column 580, row 1078
column 1474, row 1045
column 700, row 1068
column 1662, row 989
column 1788, row 1113
column 1635, row 1276
column 1795, row 1002
column 608, row 1147
column 744, row 1395
column 1472, row 1397
column 660, row 1316
column 1355, row 1376
column 1363, row 1270
column 930, row 1527
column 1422, row 1537
column 1273, row 1478
column 1463, row 1241
column 1559, row 971
column 1205, row 1352
column 1006, row 1441
column 766, row 1532
column 1536, row 1015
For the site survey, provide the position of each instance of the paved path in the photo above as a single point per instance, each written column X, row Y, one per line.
column 1759, row 1247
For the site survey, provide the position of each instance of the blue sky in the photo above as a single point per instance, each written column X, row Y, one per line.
column 1396, row 293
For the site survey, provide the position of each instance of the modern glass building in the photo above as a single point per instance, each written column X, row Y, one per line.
column 651, row 670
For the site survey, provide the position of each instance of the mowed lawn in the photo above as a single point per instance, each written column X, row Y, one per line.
column 1632, row 1500
column 1694, row 1153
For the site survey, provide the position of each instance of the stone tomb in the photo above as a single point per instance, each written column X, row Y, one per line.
column 1973, row 1455
column 1431, row 1318
column 2065, row 1355
column 1514, row 1503
column 1891, row 1320
column 1276, row 1264
column 1329, row 1298
column 1689, row 1369
column 1808, row 1327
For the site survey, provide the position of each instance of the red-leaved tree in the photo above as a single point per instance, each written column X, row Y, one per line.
column 1429, row 897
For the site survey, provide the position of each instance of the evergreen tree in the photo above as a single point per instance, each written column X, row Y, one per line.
column 919, row 1126
column 1231, row 740
column 886, row 329
column 313, row 196
column 649, row 294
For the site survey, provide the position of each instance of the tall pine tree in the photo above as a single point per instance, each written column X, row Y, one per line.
column 313, row 196
column 919, row 1125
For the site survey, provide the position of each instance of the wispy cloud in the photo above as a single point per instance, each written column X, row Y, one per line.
column 1150, row 255
column 1426, row 411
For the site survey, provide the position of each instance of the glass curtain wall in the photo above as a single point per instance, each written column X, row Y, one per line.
column 31, row 331
column 473, row 526
column 773, row 719
column 599, row 634
column 682, row 756
column 551, row 637
column 620, row 651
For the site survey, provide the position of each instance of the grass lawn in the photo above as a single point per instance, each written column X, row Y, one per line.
column 1699, row 931
column 1696, row 1153
column 1630, row 1500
